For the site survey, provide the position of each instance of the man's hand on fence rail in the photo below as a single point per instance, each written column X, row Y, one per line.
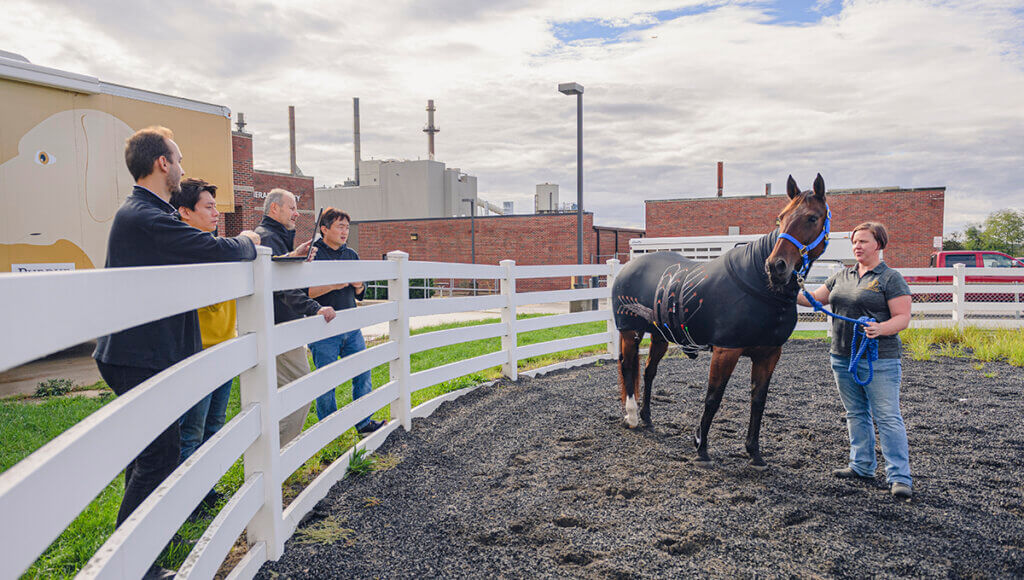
column 252, row 236
column 327, row 312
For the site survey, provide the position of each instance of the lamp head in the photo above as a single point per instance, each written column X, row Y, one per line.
column 570, row 88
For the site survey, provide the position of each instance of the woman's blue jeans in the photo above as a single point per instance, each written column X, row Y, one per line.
column 878, row 400
column 204, row 419
column 327, row 351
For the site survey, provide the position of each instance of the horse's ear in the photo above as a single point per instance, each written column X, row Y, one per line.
column 791, row 188
column 819, row 187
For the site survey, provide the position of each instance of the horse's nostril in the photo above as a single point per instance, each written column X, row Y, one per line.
column 779, row 266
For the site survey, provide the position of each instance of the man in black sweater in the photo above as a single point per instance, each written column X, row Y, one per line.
column 145, row 232
column 334, row 226
column 277, row 232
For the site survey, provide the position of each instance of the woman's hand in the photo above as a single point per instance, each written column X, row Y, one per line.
column 873, row 330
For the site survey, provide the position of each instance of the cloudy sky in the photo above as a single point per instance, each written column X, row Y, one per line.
column 909, row 93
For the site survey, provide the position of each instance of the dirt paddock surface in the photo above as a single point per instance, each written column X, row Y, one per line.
column 540, row 479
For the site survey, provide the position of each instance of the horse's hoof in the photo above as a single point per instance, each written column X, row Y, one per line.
column 626, row 424
column 759, row 466
column 704, row 463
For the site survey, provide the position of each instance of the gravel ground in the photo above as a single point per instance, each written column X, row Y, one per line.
column 540, row 479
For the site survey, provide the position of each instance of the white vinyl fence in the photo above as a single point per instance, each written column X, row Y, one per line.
column 995, row 301
column 47, row 312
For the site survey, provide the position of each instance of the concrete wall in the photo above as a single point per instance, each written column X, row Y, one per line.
column 913, row 217
column 402, row 190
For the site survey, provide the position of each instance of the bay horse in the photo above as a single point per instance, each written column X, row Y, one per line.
column 742, row 303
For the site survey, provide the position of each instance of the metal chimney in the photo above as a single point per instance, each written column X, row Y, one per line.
column 720, row 180
column 241, row 123
column 430, row 129
column 355, row 134
column 768, row 189
column 291, row 139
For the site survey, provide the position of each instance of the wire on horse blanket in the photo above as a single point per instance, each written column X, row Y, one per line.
column 860, row 342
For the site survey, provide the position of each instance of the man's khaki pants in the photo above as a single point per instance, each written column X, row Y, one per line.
column 291, row 365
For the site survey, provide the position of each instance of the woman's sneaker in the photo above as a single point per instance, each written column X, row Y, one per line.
column 901, row 491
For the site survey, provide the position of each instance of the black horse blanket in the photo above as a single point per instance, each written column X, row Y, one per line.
column 726, row 302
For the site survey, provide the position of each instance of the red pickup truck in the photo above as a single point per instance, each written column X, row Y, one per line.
column 972, row 259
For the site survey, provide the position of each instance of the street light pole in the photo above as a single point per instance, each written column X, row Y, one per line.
column 577, row 89
column 472, row 233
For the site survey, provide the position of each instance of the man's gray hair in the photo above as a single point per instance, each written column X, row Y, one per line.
column 275, row 195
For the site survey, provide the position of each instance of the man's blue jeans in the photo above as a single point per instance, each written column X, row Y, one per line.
column 204, row 419
column 878, row 400
column 327, row 351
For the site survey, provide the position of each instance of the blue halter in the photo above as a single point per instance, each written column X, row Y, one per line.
column 805, row 250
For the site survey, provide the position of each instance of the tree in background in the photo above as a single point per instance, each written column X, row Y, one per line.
column 1002, row 231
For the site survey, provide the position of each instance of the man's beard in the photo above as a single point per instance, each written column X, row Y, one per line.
column 173, row 186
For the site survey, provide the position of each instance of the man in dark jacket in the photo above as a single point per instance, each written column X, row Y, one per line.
column 145, row 232
column 334, row 226
column 277, row 232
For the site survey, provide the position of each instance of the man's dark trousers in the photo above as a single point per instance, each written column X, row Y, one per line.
column 149, row 469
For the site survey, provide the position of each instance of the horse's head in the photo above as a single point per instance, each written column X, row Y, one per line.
column 803, row 233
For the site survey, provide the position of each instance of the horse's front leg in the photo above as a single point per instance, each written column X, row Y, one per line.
column 760, row 375
column 723, row 362
column 658, row 347
column 629, row 372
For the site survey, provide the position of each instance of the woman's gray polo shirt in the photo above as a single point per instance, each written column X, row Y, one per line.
column 853, row 296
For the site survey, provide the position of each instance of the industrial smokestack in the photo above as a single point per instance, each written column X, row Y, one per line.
column 355, row 134
column 291, row 139
column 768, row 189
column 720, row 180
column 430, row 129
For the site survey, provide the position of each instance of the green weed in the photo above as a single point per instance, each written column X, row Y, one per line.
column 360, row 462
column 54, row 387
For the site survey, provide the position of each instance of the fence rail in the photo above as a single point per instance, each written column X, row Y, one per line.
column 67, row 473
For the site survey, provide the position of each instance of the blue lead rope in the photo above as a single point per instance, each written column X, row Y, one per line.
column 860, row 342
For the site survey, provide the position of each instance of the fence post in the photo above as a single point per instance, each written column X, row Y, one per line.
column 613, row 345
column 832, row 269
column 398, row 291
column 959, row 297
column 508, row 317
column 258, row 386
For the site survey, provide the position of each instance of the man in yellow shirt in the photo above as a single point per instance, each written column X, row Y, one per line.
column 198, row 208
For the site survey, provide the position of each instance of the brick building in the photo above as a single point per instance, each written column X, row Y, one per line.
column 913, row 217
column 527, row 239
column 251, row 187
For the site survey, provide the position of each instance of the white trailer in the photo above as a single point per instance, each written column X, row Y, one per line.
column 704, row 248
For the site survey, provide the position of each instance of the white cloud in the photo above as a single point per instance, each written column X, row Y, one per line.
column 903, row 92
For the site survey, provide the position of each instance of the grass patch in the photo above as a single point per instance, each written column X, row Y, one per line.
column 983, row 344
column 327, row 531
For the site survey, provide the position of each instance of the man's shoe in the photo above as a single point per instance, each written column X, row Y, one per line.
column 849, row 473
column 901, row 491
column 370, row 427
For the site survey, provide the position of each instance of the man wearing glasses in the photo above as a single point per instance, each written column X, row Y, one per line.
column 334, row 227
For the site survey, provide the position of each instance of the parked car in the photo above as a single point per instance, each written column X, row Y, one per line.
column 972, row 259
